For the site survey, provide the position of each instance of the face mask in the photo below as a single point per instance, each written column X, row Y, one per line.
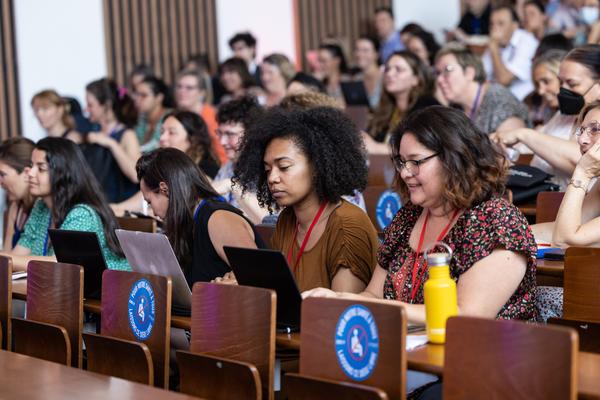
column 569, row 102
column 589, row 15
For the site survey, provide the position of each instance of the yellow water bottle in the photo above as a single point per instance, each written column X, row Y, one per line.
column 439, row 293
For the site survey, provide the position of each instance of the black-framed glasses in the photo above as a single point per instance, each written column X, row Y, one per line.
column 411, row 166
column 592, row 129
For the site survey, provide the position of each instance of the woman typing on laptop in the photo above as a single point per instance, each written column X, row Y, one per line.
column 197, row 221
column 304, row 162
column 69, row 197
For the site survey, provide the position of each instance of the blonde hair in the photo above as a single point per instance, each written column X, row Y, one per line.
column 304, row 101
column 50, row 96
column 284, row 65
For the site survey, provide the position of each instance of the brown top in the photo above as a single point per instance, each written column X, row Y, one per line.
column 349, row 241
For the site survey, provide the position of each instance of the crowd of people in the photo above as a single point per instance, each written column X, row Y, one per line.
column 213, row 156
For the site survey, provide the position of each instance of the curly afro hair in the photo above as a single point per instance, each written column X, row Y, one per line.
column 326, row 136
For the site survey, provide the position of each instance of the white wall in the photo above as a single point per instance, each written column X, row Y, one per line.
column 433, row 15
column 270, row 21
column 60, row 45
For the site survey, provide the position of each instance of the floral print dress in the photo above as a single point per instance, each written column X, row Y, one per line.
column 493, row 224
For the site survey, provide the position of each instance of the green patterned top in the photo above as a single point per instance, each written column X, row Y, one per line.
column 81, row 218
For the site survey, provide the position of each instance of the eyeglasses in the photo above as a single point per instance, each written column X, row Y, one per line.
column 447, row 70
column 411, row 166
column 593, row 129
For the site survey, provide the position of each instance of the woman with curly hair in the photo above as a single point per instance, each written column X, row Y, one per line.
column 451, row 178
column 304, row 162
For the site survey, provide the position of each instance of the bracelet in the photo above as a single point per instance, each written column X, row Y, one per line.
column 577, row 183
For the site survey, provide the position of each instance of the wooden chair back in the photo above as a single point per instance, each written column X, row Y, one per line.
column 547, row 205
column 589, row 333
column 5, row 301
column 265, row 231
column 581, row 297
column 137, row 224
column 381, row 171
column 238, row 323
column 523, row 360
column 41, row 340
column 375, row 339
column 122, row 358
column 118, row 287
column 371, row 195
column 211, row 377
column 55, row 296
column 299, row 387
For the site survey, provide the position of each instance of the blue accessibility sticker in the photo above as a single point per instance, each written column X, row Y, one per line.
column 387, row 206
column 141, row 308
column 357, row 342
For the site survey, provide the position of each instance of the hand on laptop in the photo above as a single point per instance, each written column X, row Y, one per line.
column 319, row 292
column 228, row 279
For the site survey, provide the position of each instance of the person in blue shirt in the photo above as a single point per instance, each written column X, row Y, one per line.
column 389, row 37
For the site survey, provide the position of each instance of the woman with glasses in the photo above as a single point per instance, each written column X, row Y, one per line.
column 578, row 219
column 303, row 162
column 461, row 80
column 555, row 145
column 452, row 179
column 190, row 95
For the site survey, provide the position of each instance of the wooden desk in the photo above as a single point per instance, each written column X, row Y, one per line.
column 550, row 273
column 23, row 378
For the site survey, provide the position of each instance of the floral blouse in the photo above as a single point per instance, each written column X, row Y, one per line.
column 477, row 232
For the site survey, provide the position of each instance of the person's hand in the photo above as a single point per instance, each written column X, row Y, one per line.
column 319, row 292
column 100, row 139
column 228, row 279
column 589, row 163
column 506, row 138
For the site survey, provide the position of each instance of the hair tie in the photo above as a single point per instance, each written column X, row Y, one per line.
column 122, row 92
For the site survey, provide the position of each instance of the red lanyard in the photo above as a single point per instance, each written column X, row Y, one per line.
column 416, row 283
column 305, row 240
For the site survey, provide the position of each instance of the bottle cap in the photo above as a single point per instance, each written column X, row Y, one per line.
column 437, row 259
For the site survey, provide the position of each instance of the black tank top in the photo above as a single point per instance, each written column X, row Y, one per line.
column 206, row 264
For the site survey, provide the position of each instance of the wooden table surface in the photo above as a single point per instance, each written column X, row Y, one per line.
column 24, row 378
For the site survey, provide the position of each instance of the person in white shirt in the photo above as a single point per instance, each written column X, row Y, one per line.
column 243, row 45
column 510, row 51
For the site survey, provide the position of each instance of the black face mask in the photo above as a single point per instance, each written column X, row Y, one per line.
column 569, row 102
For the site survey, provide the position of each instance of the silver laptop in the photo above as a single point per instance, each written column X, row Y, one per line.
column 151, row 253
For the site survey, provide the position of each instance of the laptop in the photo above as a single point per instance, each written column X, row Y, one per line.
column 151, row 253
column 269, row 269
column 355, row 93
column 81, row 248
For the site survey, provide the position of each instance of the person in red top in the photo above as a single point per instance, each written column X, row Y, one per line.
column 190, row 93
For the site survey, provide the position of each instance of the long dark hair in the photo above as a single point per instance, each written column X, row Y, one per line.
column 200, row 142
column 187, row 184
column 73, row 183
column 106, row 91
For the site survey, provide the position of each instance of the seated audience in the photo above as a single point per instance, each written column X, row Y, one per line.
column 53, row 114
column 507, row 60
column 187, row 132
column 424, row 45
column 535, row 20
column 461, row 79
column 138, row 74
column 15, row 159
column 190, row 95
column 408, row 86
column 243, row 45
column 197, row 223
column 555, row 144
column 567, row 20
column 153, row 101
column 69, row 197
column 475, row 21
column 234, row 118
column 578, row 218
column 276, row 73
column 543, row 103
column 292, row 159
column 451, row 178
column 334, row 69
column 389, row 37
column 236, row 80
column 366, row 57
column 113, row 159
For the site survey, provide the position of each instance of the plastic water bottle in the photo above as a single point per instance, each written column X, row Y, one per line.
column 440, row 294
